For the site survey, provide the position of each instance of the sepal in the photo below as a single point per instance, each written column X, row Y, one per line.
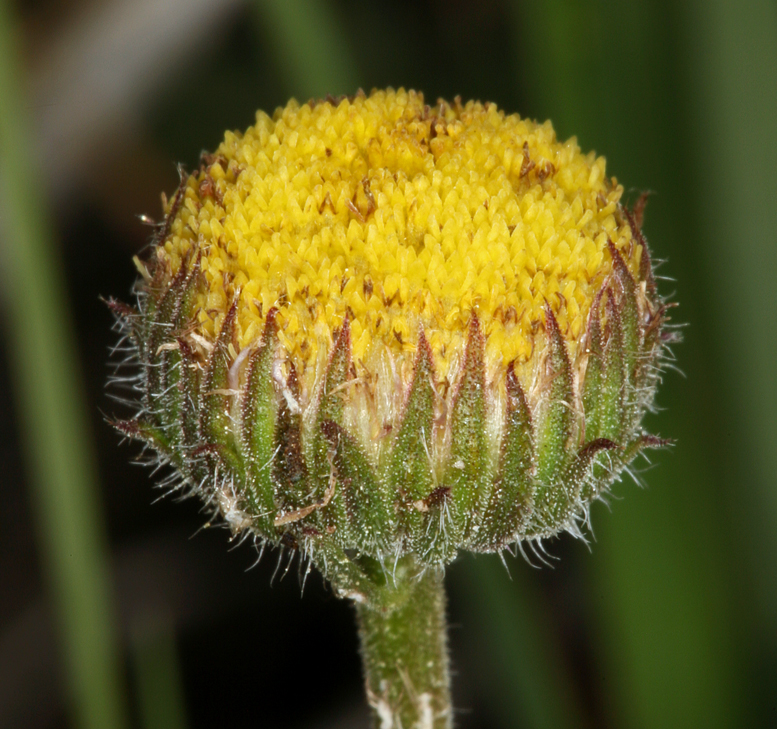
column 258, row 415
column 216, row 426
column 289, row 468
column 332, row 519
column 632, row 335
column 136, row 429
column 369, row 512
column 156, row 334
column 642, row 442
column 583, row 469
column 594, row 370
column 512, row 497
column 411, row 473
column 554, row 501
column 169, row 404
column 192, row 467
column 468, row 472
column 556, row 407
column 614, row 385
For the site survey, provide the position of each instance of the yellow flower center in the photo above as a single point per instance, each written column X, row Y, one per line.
column 397, row 215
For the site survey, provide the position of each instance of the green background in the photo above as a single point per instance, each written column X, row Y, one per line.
column 111, row 617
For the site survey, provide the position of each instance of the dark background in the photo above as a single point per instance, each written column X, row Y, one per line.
column 667, row 619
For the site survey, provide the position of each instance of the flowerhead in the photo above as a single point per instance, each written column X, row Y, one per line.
column 374, row 328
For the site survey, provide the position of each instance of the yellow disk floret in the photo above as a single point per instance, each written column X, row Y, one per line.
column 398, row 215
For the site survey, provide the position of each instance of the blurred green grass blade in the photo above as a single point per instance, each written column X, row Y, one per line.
column 161, row 701
column 732, row 56
column 659, row 572
column 311, row 45
column 50, row 408
column 527, row 681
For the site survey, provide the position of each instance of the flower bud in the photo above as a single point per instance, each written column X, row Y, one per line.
column 370, row 329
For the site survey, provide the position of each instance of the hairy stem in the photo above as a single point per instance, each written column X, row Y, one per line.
column 405, row 656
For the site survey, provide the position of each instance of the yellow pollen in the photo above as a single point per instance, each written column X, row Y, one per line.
column 398, row 215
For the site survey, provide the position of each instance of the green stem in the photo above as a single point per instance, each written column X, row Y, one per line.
column 405, row 656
